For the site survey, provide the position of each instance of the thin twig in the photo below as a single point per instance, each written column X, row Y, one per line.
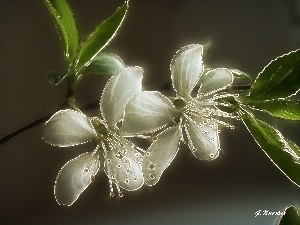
column 11, row 135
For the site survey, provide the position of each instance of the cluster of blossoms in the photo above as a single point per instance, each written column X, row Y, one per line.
column 127, row 111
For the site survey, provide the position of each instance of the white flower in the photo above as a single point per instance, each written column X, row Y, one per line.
column 122, row 159
column 148, row 112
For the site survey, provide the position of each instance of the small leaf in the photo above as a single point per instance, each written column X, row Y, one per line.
column 66, row 26
column 282, row 152
column 279, row 79
column 106, row 64
column 100, row 38
column 290, row 216
column 55, row 77
column 282, row 108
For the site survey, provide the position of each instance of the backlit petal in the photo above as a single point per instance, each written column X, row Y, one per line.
column 203, row 139
column 75, row 176
column 186, row 69
column 68, row 128
column 215, row 80
column 147, row 112
column 160, row 154
column 123, row 163
column 118, row 91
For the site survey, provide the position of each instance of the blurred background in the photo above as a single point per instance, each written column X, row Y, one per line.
column 246, row 35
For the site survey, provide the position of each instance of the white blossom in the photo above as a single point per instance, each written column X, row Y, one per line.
column 122, row 159
column 148, row 112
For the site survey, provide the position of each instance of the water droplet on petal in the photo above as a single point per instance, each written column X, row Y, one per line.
column 151, row 166
column 86, row 170
column 152, row 176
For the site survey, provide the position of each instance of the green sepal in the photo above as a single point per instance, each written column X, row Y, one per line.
column 105, row 64
column 66, row 27
column 99, row 39
column 279, row 79
column 227, row 104
column 288, row 109
column 240, row 77
column 290, row 216
column 282, row 152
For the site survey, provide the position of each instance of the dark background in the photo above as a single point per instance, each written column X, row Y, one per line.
column 246, row 35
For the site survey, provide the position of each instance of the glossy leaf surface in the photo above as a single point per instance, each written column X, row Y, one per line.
column 66, row 26
column 100, row 38
column 279, row 79
column 290, row 217
column 282, row 152
column 282, row 108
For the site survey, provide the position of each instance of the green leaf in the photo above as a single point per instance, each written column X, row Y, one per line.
column 282, row 152
column 100, row 38
column 106, row 64
column 290, row 216
column 283, row 108
column 66, row 26
column 279, row 79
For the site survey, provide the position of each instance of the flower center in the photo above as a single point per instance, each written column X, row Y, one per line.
column 99, row 127
column 179, row 103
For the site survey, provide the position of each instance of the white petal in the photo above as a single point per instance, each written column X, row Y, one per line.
column 68, row 128
column 203, row 139
column 186, row 68
column 160, row 154
column 75, row 176
column 118, row 91
column 123, row 164
column 215, row 80
column 147, row 112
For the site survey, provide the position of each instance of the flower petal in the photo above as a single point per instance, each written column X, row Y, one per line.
column 118, row 91
column 160, row 154
column 203, row 139
column 68, row 128
column 215, row 80
column 75, row 176
column 186, row 68
column 123, row 163
column 147, row 112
